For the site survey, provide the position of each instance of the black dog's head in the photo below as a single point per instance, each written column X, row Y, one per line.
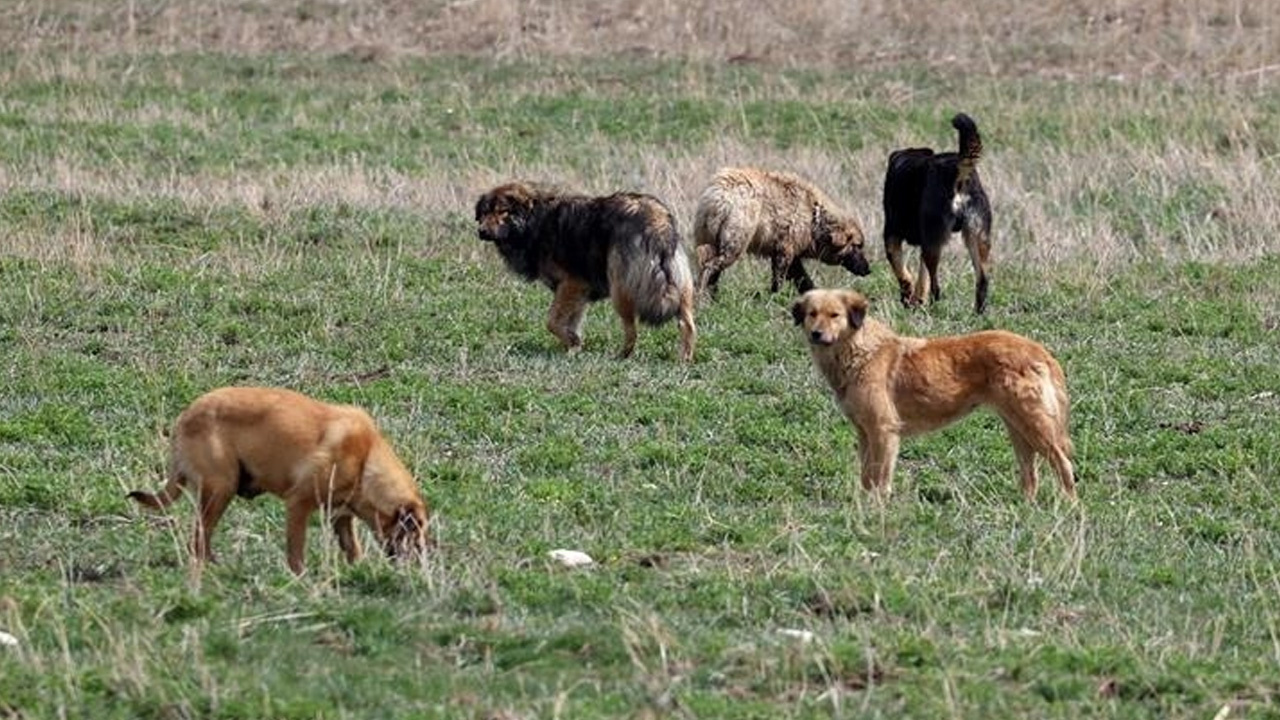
column 839, row 241
column 505, row 212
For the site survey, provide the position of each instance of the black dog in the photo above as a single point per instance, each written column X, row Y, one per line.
column 927, row 197
column 624, row 246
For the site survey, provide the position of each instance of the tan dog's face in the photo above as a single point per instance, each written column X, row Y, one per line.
column 404, row 534
column 826, row 315
column 502, row 212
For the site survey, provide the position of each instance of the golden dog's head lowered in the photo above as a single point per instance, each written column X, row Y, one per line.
column 827, row 315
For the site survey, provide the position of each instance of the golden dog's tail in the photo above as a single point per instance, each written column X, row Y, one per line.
column 158, row 501
column 970, row 147
column 1059, row 403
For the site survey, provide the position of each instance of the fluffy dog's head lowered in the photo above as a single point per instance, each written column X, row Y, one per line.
column 839, row 241
column 827, row 315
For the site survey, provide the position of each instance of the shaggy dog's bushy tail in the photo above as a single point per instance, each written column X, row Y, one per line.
column 970, row 146
column 657, row 276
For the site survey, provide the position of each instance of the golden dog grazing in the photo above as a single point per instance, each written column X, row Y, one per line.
column 246, row 441
column 890, row 386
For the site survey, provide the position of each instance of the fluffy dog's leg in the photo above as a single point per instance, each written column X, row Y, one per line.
column 799, row 277
column 893, row 253
column 567, row 309
column 710, row 265
column 626, row 309
column 347, row 539
column 781, row 266
column 688, row 330
column 979, row 244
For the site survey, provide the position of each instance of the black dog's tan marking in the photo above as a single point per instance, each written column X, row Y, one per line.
column 927, row 197
column 624, row 246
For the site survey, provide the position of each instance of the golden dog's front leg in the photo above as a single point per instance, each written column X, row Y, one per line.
column 297, row 512
column 878, row 450
column 347, row 539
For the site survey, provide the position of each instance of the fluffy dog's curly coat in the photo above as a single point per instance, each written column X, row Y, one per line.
column 774, row 215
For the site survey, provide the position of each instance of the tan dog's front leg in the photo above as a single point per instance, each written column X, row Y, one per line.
column 347, row 539
column 879, row 453
column 297, row 512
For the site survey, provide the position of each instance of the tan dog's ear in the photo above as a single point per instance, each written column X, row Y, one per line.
column 798, row 310
column 856, row 305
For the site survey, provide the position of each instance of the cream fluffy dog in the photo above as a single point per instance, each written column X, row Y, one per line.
column 891, row 386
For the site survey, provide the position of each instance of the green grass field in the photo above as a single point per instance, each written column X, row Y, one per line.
column 174, row 222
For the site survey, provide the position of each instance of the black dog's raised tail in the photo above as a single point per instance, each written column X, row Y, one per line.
column 970, row 146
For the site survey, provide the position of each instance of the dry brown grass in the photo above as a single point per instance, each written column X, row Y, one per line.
column 1229, row 39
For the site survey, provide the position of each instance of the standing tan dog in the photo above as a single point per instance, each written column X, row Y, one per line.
column 774, row 215
column 246, row 441
column 890, row 386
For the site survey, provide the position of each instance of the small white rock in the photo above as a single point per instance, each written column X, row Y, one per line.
column 8, row 640
column 571, row 558
column 803, row 636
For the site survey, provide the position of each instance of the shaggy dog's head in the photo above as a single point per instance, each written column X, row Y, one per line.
column 504, row 213
column 827, row 315
column 839, row 241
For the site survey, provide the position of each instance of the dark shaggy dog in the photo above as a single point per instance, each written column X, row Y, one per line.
column 774, row 215
column 625, row 247
column 927, row 197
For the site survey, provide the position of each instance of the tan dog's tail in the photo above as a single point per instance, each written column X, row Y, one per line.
column 970, row 147
column 163, row 499
column 1058, row 404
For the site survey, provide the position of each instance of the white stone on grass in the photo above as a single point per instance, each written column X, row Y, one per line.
column 571, row 558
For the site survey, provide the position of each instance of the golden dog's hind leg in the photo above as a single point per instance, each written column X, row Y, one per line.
column 567, row 308
column 1026, row 456
column 212, row 506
